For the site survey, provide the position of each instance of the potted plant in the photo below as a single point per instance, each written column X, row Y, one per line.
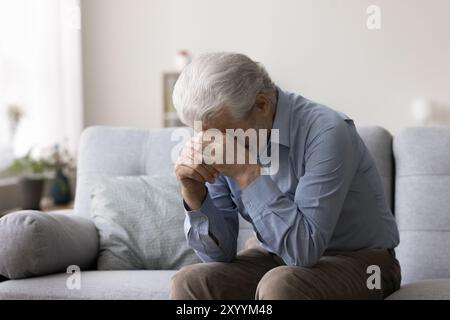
column 32, row 174
column 63, row 163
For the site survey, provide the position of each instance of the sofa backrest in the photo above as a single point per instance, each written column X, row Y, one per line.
column 125, row 152
column 120, row 151
column 422, row 202
column 379, row 143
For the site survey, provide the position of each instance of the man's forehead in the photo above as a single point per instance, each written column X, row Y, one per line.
column 221, row 124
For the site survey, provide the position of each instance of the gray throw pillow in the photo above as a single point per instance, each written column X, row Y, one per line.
column 140, row 221
column 34, row 243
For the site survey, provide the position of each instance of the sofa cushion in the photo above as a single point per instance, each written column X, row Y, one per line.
column 35, row 243
column 436, row 289
column 102, row 285
column 140, row 221
column 422, row 204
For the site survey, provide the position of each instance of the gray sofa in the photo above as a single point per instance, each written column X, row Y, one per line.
column 415, row 168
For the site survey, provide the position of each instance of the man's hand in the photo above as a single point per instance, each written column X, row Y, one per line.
column 193, row 172
column 193, row 176
column 243, row 170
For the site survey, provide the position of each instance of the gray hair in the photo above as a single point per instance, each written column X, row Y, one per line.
column 214, row 81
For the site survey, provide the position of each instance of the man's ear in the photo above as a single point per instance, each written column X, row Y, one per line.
column 263, row 103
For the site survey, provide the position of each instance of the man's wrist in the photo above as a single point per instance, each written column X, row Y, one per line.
column 194, row 201
column 248, row 175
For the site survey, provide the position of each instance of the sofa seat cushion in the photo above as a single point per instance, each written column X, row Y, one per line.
column 436, row 289
column 101, row 285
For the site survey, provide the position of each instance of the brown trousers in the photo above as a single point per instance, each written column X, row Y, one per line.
column 256, row 274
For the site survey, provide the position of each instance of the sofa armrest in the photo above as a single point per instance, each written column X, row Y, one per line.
column 33, row 243
column 63, row 211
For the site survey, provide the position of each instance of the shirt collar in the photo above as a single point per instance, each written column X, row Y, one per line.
column 282, row 117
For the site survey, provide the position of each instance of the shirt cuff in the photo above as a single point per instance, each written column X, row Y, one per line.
column 199, row 219
column 258, row 195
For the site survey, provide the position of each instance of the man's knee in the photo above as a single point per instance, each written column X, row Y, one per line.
column 185, row 284
column 281, row 284
column 201, row 281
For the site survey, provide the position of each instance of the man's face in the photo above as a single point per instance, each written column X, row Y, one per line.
column 260, row 116
column 224, row 120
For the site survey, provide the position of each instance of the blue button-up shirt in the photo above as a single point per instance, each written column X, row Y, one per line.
column 326, row 195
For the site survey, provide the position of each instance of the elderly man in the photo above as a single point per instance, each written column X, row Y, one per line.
column 322, row 224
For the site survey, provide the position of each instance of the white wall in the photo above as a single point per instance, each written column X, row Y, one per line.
column 319, row 48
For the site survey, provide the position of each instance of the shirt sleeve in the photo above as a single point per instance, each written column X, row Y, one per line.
column 299, row 230
column 212, row 230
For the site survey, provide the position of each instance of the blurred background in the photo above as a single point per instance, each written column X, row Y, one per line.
column 69, row 64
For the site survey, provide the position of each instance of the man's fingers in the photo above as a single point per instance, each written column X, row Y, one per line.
column 204, row 172
column 185, row 171
column 213, row 171
column 207, row 175
column 191, row 157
